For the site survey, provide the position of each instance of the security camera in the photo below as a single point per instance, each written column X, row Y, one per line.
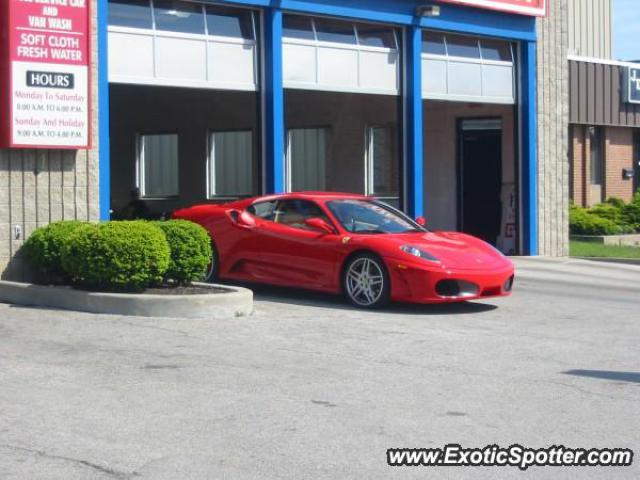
column 428, row 11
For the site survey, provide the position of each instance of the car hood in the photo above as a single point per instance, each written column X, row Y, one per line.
column 453, row 249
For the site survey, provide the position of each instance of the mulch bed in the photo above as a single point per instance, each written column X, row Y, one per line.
column 161, row 290
column 190, row 290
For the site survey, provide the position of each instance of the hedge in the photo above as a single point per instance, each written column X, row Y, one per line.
column 128, row 255
column 190, row 246
column 42, row 249
column 610, row 218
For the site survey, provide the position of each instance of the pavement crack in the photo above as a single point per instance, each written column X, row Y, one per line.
column 100, row 468
column 153, row 327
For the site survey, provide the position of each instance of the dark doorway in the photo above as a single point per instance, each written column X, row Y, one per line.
column 480, row 178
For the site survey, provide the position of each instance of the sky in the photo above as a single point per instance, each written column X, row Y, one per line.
column 626, row 29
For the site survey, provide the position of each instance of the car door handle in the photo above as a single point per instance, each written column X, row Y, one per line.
column 236, row 218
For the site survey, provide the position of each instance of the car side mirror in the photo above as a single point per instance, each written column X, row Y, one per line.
column 320, row 224
column 421, row 221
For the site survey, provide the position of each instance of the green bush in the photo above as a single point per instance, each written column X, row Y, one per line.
column 190, row 250
column 632, row 212
column 582, row 222
column 42, row 249
column 129, row 255
column 613, row 212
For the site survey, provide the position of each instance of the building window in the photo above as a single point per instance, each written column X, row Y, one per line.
column 297, row 27
column 230, row 165
column 306, row 159
column 230, row 22
column 596, row 156
column 158, row 165
column 130, row 13
column 183, row 43
column 376, row 36
column 335, row 31
column 340, row 56
column 464, row 47
column 382, row 174
column 178, row 16
column 463, row 68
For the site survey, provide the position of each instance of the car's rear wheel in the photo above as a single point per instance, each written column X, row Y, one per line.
column 212, row 269
column 366, row 282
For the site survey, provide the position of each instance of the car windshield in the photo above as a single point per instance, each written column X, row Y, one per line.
column 371, row 217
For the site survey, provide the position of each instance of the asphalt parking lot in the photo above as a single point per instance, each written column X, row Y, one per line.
column 310, row 388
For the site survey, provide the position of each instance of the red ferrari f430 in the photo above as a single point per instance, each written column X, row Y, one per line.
column 350, row 244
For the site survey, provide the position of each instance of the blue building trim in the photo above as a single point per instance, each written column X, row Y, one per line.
column 104, row 161
column 402, row 12
column 529, row 150
column 414, row 183
column 274, row 127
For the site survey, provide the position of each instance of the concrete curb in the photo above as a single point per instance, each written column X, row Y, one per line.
column 236, row 302
column 628, row 261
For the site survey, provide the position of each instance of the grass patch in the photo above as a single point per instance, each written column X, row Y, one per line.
column 590, row 249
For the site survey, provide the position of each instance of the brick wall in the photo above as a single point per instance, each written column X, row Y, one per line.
column 578, row 163
column 619, row 155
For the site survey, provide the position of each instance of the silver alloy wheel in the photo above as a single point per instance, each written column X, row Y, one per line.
column 365, row 281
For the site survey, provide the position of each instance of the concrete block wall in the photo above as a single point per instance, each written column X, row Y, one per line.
column 553, row 121
column 42, row 186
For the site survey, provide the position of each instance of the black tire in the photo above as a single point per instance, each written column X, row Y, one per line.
column 212, row 270
column 365, row 281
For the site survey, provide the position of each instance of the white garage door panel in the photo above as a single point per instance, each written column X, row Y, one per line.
column 130, row 55
column 379, row 70
column 337, row 67
column 181, row 59
column 299, row 63
column 434, row 79
column 465, row 79
column 497, row 81
column 231, row 63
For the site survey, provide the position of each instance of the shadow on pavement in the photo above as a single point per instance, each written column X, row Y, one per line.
column 630, row 377
column 308, row 298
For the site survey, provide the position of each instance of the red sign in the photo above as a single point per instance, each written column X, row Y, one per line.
column 46, row 73
column 522, row 7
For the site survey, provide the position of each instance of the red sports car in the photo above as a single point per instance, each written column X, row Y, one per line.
column 351, row 244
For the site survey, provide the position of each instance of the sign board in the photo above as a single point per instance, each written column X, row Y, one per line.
column 45, row 76
column 632, row 83
column 523, row 7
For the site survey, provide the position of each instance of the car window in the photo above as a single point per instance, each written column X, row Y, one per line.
column 367, row 217
column 264, row 210
column 293, row 213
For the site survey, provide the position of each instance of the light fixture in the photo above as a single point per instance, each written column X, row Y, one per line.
column 428, row 11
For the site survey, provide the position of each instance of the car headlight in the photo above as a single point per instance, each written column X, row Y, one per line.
column 417, row 252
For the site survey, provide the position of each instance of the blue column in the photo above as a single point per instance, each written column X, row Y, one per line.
column 104, row 167
column 529, row 150
column 274, row 127
column 414, row 183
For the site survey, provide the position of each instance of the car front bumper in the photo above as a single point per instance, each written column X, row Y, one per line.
column 417, row 282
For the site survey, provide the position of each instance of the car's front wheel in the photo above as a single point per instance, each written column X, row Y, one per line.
column 366, row 282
